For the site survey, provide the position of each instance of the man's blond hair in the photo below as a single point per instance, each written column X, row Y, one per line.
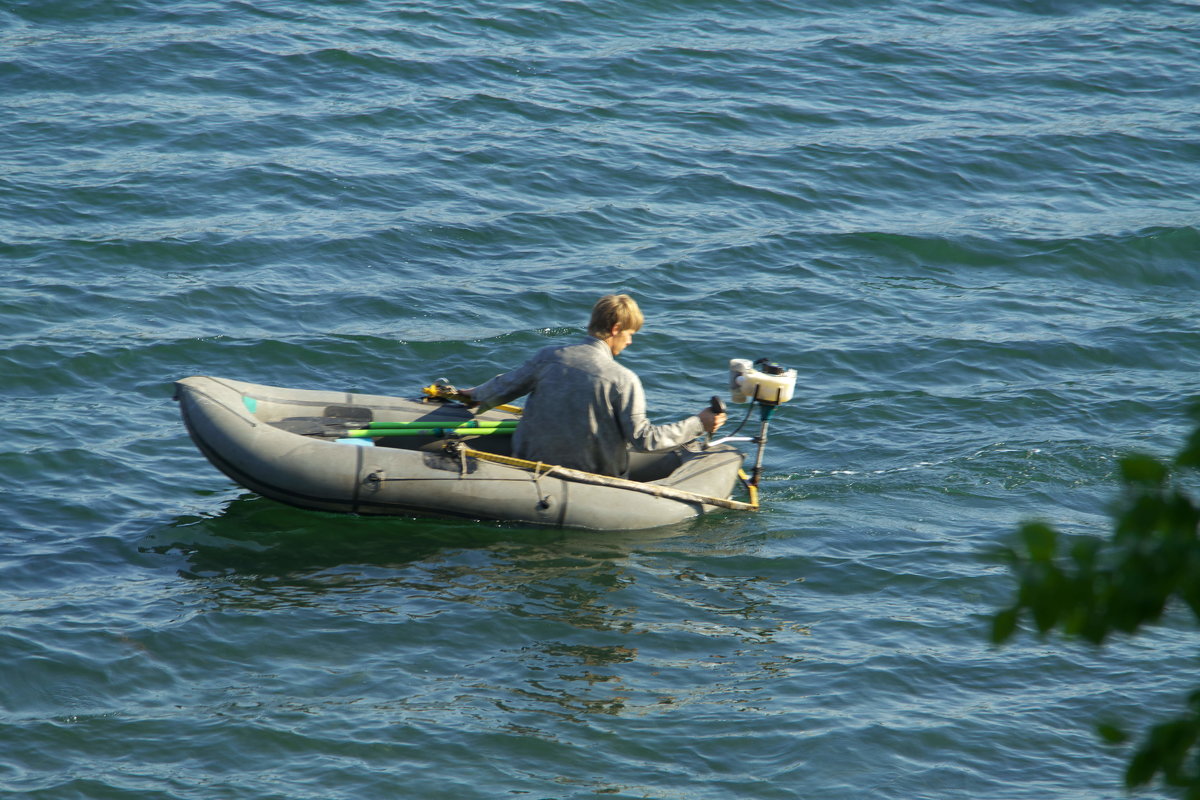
column 615, row 309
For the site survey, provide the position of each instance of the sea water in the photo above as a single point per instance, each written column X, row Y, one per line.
column 972, row 228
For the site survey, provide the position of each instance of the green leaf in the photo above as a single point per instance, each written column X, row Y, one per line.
column 1112, row 734
column 1040, row 540
column 1142, row 768
column 1004, row 625
column 1190, row 455
column 1143, row 469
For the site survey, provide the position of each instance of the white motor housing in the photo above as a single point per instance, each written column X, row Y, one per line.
column 773, row 385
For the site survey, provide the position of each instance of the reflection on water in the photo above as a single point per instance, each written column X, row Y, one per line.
column 520, row 626
column 254, row 536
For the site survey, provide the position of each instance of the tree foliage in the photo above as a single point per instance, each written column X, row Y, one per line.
column 1093, row 587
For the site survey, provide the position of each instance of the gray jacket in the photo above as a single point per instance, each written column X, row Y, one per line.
column 584, row 409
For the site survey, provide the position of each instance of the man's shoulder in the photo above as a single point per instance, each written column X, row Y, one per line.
column 593, row 356
column 589, row 349
column 556, row 352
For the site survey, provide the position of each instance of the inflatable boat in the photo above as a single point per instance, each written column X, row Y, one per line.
column 372, row 454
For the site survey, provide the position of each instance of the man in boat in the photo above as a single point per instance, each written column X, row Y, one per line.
column 585, row 411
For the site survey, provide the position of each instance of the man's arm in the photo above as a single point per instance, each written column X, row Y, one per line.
column 641, row 434
column 505, row 387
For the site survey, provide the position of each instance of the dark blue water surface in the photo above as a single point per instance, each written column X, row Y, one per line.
column 973, row 228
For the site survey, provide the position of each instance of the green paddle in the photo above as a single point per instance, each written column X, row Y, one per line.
column 461, row 430
column 327, row 426
column 450, row 424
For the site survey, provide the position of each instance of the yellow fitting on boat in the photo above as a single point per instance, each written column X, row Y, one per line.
column 442, row 391
column 750, row 487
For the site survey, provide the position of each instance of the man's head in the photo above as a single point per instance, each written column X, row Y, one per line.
column 618, row 310
column 615, row 318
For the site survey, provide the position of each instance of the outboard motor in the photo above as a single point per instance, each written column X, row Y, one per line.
column 769, row 385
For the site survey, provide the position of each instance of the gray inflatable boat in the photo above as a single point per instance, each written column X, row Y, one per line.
column 337, row 451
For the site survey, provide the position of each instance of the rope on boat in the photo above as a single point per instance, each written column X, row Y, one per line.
column 541, row 469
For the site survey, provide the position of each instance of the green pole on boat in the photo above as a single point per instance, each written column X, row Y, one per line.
column 376, row 433
column 425, row 423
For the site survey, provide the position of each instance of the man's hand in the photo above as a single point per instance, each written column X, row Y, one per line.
column 710, row 420
column 468, row 397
